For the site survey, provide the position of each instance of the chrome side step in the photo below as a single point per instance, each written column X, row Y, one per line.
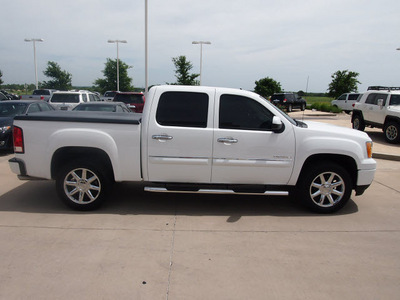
column 211, row 191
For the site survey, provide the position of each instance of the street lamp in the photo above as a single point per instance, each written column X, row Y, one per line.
column 117, row 42
column 201, row 53
column 34, row 56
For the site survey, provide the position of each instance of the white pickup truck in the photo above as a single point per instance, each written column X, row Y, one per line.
column 194, row 139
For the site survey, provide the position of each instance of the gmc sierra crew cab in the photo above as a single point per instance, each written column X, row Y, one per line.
column 194, row 139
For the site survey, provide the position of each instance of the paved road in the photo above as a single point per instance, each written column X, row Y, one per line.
column 166, row 246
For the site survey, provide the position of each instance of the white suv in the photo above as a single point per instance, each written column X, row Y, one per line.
column 346, row 101
column 379, row 107
column 67, row 100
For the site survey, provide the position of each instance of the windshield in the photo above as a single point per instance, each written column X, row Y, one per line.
column 109, row 94
column 65, row 98
column 11, row 109
column 283, row 113
column 129, row 98
column 395, row 100
column 41, row 92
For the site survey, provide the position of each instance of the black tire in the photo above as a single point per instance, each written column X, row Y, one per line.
column 303, row 107
column 289, row 108
column 392, row 132
column 325, row 188
column 82, row 185
column 358, row 123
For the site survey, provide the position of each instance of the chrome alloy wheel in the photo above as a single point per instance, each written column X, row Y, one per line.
column 82, row 186
column 391, row 132
column 327, row 189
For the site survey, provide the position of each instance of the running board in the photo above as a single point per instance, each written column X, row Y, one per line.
column 210, row 191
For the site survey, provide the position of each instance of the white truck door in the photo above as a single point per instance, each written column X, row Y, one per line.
column 374, row 112
column 246, row 151
column 179, row 137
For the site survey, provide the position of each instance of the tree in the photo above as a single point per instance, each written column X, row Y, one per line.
column 62, row 80
column 267, row 87
column 343, row 82
column 182, row 68
column 109, row 83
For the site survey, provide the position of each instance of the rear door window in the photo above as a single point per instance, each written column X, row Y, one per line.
column 183, row 109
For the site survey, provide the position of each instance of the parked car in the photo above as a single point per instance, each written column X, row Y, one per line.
column 109, row 95
column 346, row 101
column 379, row 107
column 68, row 100
column 9, row 109
column 9, row 95
column 194, row 139
column 134, row 100
column 288, row 101
column 3, row 97
column 103, row 106
column 41, row 94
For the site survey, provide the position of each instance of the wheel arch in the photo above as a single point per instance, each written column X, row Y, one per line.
column 356, row 113
column 392, row 119
column 346, row 162
column 65, row 154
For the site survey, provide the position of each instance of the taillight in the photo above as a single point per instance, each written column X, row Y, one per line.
column 18, row 140
column 41, row 97
column 284, row 100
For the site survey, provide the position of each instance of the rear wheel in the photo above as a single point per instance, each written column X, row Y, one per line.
column 82, row 185
column 303, row 107
column 358, row 123
column 392, row 132
column 325, row 188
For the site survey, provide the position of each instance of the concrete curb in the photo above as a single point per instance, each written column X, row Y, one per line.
column 386, row 156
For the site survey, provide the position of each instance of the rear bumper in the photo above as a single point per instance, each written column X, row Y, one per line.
column 17, row 166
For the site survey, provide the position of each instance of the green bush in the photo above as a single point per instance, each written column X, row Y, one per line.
column 326, row 107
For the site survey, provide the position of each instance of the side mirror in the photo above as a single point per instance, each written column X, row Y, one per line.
column 277, row 125
column 380, row 103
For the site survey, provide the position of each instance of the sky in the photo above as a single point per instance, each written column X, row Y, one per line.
column 297, row 43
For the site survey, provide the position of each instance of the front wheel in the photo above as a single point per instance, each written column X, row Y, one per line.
column 82, row 185
column 325, row 188
column 392, row 132
column 290, row 108
column 303, row 107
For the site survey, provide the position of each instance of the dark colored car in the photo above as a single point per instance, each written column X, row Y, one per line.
column 288, row 101
column 3, row 97
column 9, row 95
column 9, row 109
column 103, row 106
column 134, row 100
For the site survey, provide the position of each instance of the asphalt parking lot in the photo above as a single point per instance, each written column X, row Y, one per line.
column 176, row 246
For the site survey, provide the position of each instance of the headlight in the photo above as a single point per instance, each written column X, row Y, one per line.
column 4, row 129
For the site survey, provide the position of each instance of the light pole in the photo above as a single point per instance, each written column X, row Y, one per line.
column 117, row 42
column 34, row 56
column 201, row 53
column 146, row 57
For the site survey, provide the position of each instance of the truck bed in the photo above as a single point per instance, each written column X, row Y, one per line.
column 85, row 117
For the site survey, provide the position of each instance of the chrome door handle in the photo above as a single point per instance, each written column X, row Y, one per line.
column 227, row 140
column 163, row 137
